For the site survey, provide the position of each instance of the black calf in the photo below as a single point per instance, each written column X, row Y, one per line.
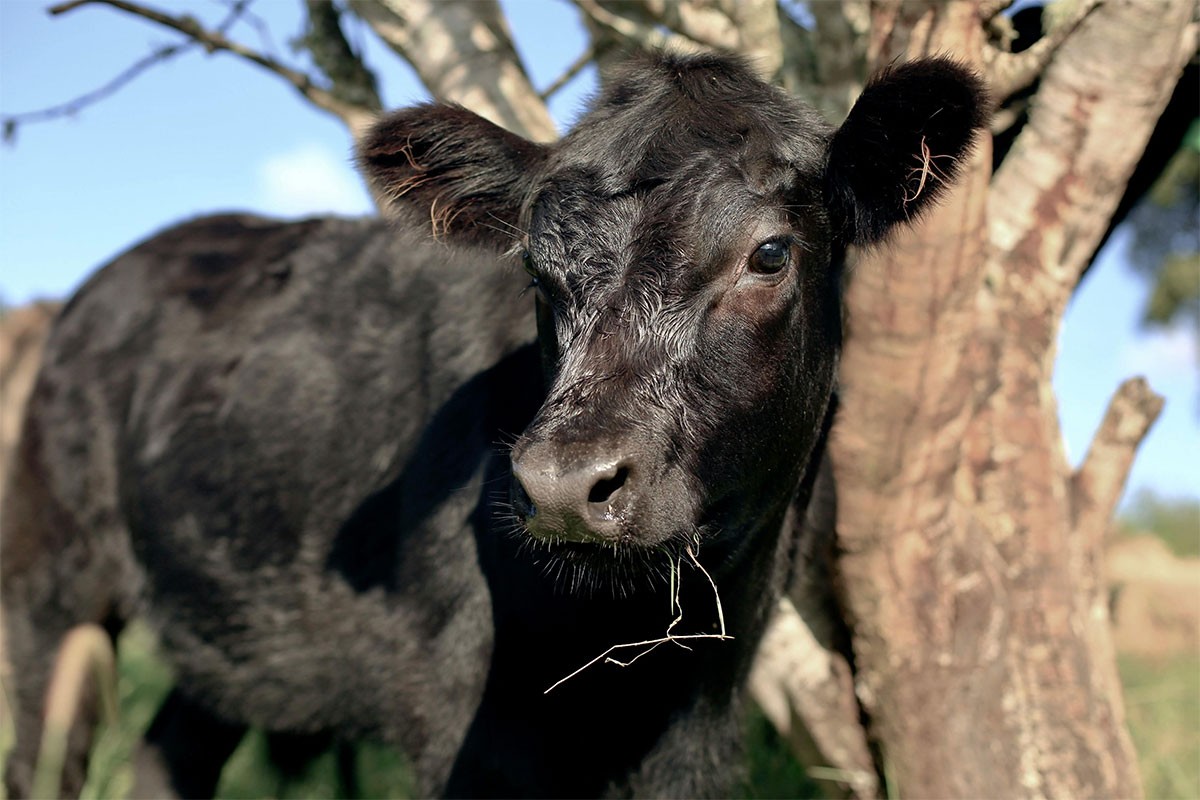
column 286, row 443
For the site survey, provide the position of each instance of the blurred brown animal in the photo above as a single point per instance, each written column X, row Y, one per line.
column 22, row 335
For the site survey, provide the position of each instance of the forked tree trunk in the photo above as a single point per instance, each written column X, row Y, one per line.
column 971, row 569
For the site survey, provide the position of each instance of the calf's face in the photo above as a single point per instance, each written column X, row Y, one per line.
column 683, row 244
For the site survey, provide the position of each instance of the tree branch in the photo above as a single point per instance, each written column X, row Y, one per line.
column 349, row 78
column 839, row 56
column 1097, row 485
column 463, row 52
column 590, row 54
column 646, row 37
column 258, row 24
column 807, row 692
column 355, row 117
column 1009, row 73
column 757, row 25
column 1096, row 107
column 749, row 27
column 10, row 122
column 710, row 23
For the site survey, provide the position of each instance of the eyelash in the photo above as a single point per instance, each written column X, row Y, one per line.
column 527, row 264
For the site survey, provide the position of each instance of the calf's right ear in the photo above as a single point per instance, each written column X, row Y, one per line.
column 901, row 146
column 451, row 171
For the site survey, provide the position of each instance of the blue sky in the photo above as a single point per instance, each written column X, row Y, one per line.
column 207, row 133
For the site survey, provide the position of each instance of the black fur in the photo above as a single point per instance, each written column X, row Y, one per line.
column 452, row 168
column 331, row 464
column 909, row 117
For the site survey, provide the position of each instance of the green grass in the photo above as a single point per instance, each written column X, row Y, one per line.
column 143, row 682
column 773, row 772
column 1175, row 520
column 1162, row 704
column 377, row 771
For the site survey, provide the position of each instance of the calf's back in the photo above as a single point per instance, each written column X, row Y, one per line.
column 271, row 437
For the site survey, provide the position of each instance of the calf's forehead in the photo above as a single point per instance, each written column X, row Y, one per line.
column 676, row 232
column 664, row 110
column 661, row 158
column 701, row 216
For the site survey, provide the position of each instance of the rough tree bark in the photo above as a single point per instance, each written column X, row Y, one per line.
column 971, row 567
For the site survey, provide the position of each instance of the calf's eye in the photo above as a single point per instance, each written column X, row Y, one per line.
column 527, row 263
column 770, row 257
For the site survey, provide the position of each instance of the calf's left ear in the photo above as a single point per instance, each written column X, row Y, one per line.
column 901, row 146
column 450, row 171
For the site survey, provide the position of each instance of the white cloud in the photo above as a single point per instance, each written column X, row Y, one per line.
column 310, row 179
column 1161, row 352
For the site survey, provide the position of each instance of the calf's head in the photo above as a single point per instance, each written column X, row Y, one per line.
column 684, row 244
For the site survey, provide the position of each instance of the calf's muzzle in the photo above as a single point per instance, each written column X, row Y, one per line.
column 576, row 494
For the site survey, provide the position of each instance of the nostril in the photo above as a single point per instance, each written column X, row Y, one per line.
column 523, row 505
column 605, row 488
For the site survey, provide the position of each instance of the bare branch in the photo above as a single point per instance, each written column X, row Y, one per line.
column 825, row 65
column 355, row 117
column 1009, row 73
column 578, row 65
column 712, row 23
column 1191, row 37
column 463, row 52
column 72, row 107
column 23, row 333
column 749, row 27
column 644, row 36
column 349, row 78
column 260, row 27
column 1008, row 115
column 10, row 122
column 1097, row 485
column 237, row 9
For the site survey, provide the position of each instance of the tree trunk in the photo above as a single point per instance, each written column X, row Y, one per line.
column 971, row 566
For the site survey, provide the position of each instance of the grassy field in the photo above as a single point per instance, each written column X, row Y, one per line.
column 1162, row 703
column 1162, row 695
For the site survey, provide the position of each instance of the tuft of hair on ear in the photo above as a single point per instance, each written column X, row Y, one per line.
column 902, row 145
column 447, row 169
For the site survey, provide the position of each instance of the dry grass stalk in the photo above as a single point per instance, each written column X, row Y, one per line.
column 651, row 645
column 85, row 651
